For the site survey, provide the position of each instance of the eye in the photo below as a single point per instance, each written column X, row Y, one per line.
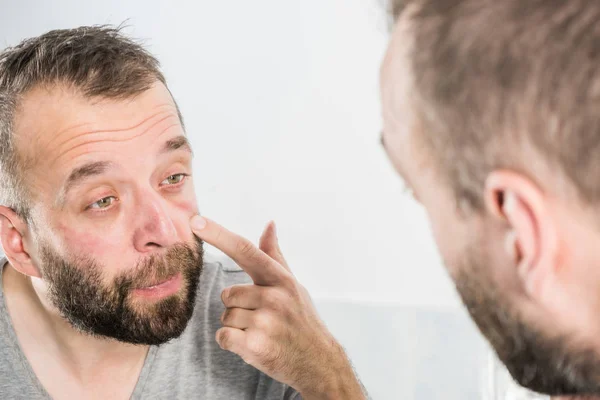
column 174, row 179
column 103, row 203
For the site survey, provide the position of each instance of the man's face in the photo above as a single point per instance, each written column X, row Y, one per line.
column 539, row 352
column 112, row 199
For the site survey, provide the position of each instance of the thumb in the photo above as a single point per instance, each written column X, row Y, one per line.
column 269, row 244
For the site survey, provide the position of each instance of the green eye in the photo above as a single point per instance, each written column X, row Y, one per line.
column 104, row 202
column 174, row 179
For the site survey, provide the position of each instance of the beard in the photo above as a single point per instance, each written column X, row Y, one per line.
column 79, row 292
column 540, row 361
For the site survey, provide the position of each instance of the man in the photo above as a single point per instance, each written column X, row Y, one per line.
column 490, row 116
column 490, row 113
column 105, row 292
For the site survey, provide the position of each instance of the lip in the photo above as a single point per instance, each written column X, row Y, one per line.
column 161, row 290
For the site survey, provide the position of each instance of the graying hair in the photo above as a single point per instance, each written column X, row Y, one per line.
column 97, row 61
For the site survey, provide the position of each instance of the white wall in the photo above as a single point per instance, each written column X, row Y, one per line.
column 281, row 103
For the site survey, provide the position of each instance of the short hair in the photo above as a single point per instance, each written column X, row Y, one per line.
column 493, row 78
column 96, row 61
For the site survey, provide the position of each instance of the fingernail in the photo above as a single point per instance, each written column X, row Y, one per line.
column 274, row 228
column 198, row 223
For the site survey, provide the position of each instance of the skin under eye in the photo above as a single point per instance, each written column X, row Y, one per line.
column 174, row 179
column 103, row 203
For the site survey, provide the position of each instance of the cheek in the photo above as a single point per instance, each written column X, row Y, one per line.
column 78, row 241
column 444, row 241
column 185, row 208
column 188, row 207
column 105, row 247
column 187, row 203
column 450, row 238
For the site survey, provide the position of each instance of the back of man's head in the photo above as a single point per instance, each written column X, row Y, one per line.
column 490, row 113
column 494, row 80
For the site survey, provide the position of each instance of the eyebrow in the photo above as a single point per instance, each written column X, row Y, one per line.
column 86, row 171
column 180, row 142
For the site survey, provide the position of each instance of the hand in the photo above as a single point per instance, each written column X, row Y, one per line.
column 272, row 324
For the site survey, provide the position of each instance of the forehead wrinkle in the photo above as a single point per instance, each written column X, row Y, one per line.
column 55, row 144
column 166, row 116
column 60, row 199
column 52, row 103
column 93, row 131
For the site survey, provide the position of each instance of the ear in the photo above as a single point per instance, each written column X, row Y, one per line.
column 13, row 234
column 532, row 239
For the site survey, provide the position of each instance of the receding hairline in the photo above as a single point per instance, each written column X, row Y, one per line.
column 59, row 89
column 28, row 156
column 100, row 60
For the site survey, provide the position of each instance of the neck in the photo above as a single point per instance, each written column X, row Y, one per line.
column 33, row 314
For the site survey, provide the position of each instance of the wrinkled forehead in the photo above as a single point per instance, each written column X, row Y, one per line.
column 50, row 118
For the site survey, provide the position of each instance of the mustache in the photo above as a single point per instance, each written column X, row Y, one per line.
column 157, row 268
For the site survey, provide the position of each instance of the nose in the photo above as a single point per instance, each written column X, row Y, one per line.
column 154, row 228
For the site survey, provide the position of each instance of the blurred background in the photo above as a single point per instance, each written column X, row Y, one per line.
column 281, row 104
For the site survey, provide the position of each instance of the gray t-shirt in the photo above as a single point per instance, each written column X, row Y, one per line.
column 192, row 366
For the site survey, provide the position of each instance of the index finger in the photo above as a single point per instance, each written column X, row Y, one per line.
column 262, row 269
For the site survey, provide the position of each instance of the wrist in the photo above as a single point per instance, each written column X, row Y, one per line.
column 339, row 381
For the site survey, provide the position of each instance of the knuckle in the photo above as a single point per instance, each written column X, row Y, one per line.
column 245, row 247
column 288, row 281
column 258, row 345
column 275, row 299
column 225, row 316
column 230, row 295
column 302, row 291
column 263, row 351
column 224, row 338
column 263, row 320
column 229, row 316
